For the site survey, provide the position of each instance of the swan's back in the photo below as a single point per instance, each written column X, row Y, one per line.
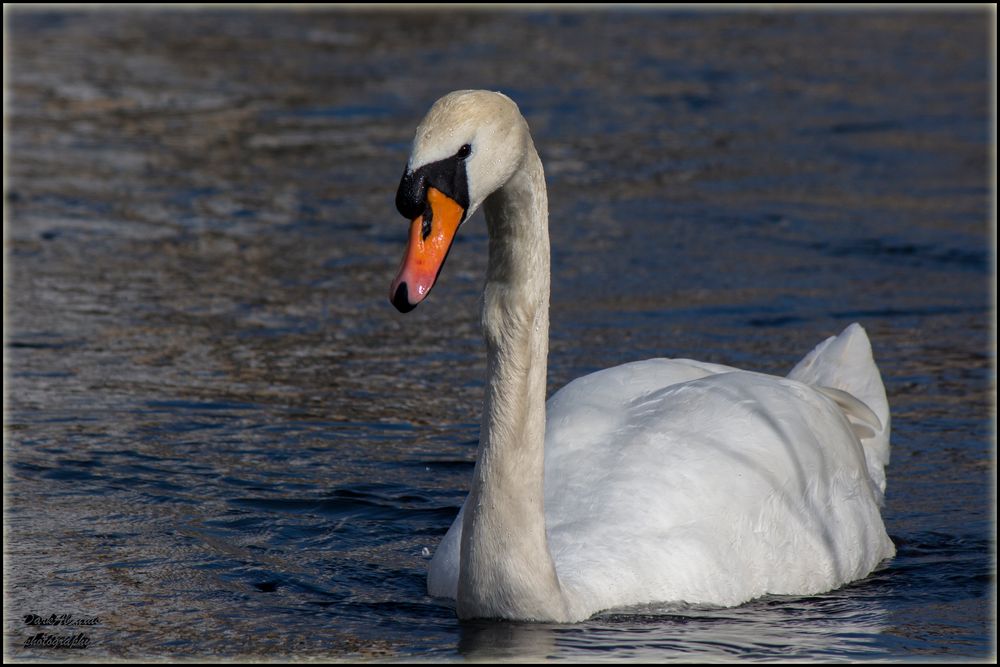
column 673, row 480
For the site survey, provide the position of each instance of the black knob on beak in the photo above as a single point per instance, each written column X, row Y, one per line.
column 411, row 197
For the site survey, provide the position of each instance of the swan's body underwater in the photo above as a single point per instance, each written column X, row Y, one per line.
column 666, row 480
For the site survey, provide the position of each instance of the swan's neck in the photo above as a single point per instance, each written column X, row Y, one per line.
column 506, row 569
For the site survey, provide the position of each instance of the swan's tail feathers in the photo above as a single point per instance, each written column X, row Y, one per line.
column 842, row 368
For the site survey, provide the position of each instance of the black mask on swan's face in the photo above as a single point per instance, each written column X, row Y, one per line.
column 448, row 176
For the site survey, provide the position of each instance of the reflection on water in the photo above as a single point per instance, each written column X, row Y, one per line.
column 765, row 629
column 223, row 441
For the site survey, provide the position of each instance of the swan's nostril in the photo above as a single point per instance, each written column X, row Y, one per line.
column 425, row 225
column 401, row 299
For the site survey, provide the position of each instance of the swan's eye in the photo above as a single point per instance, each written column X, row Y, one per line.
column 464, row 152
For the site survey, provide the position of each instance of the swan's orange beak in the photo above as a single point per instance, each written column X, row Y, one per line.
column 431, row 236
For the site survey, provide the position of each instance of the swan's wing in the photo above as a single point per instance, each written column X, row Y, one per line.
column 717, row 489
column 864, row 422
column 843, row 368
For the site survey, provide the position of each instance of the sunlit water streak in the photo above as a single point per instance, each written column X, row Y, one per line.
column 221, row 439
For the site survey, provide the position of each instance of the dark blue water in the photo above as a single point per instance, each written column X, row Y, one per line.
column 222, row 441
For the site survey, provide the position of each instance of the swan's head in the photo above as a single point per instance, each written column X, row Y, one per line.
column 468, row 146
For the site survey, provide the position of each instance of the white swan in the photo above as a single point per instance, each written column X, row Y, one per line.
column 663, row 480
